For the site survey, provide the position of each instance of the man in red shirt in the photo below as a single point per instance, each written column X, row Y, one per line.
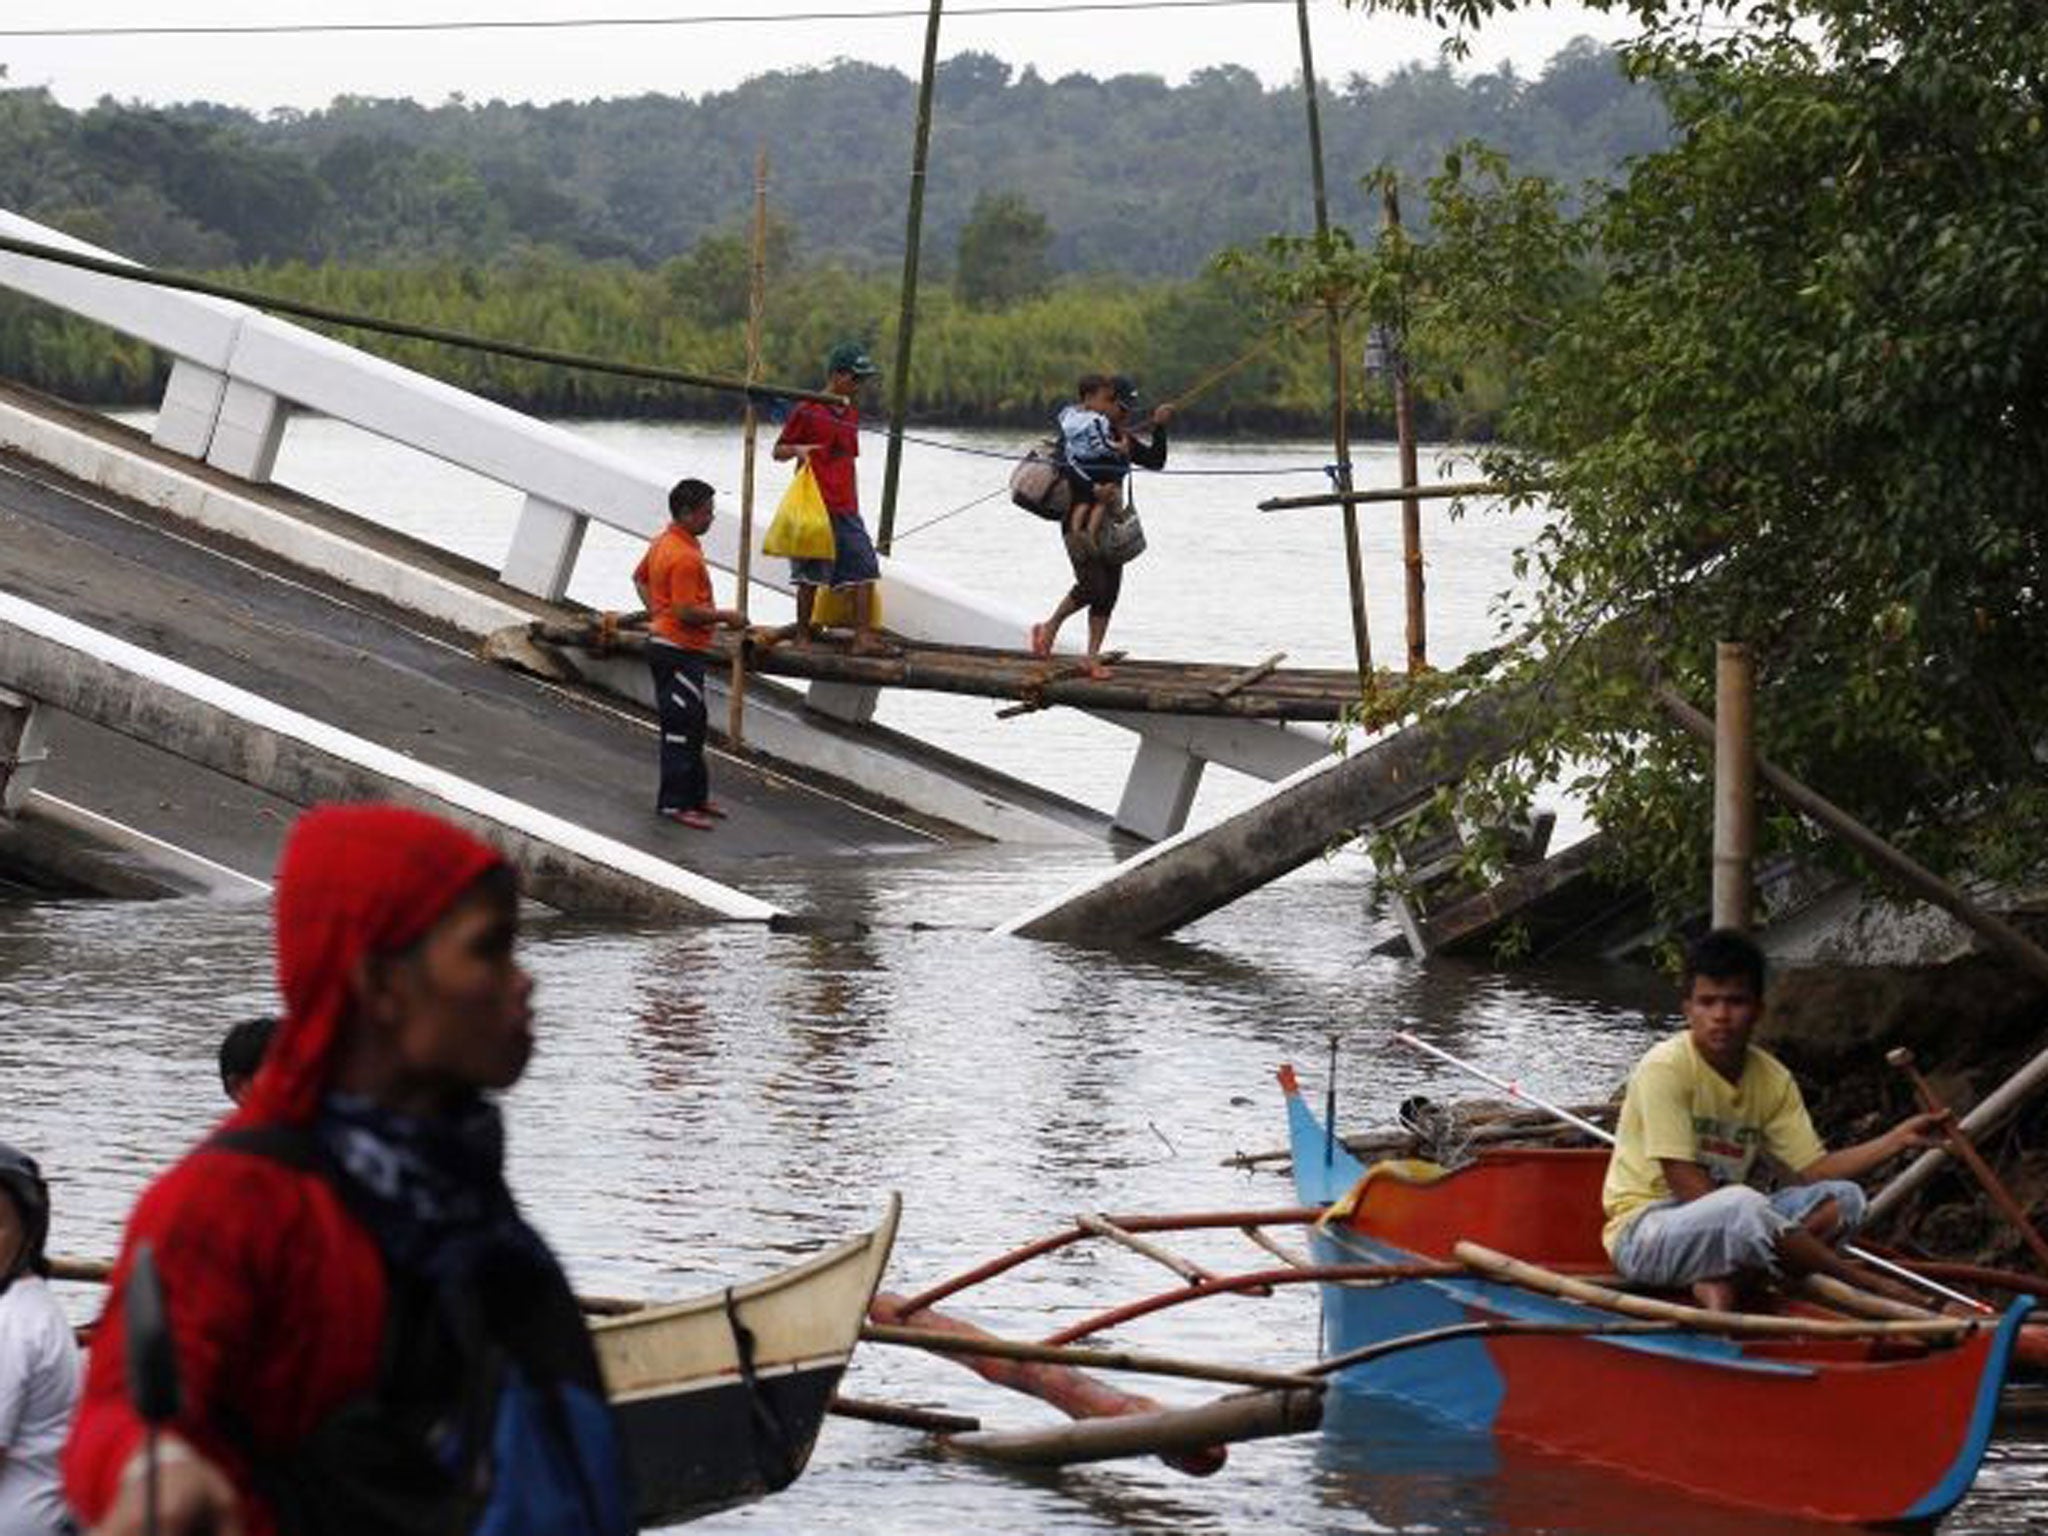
column 675, row 589
column 827, row 437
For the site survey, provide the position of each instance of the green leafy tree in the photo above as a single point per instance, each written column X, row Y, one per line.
column 1786, row 384
column 1004, row 253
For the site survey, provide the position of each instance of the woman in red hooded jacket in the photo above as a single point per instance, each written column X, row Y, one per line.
column 368, row 1335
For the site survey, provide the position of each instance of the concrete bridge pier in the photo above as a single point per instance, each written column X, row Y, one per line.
column 1159, row 791
column 23, row 734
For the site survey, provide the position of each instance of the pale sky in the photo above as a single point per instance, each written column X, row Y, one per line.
column 308, row 70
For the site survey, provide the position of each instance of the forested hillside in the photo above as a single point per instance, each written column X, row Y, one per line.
column 1133, row 176
column 1070, row 225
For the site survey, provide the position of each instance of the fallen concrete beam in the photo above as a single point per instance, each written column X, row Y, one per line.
column 251, row 739
column 1301, row 818
column 67, row 850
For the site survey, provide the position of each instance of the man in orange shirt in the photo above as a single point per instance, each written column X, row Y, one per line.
column 675, row 588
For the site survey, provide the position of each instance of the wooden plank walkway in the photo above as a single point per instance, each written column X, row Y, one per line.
column 1264, row 691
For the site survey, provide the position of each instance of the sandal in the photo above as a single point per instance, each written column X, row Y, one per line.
column 696, row 821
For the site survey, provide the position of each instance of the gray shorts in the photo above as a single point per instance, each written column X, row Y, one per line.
column 1736, row 1228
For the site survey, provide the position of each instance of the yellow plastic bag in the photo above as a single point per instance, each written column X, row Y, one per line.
column 832, row 608
column 801, row 528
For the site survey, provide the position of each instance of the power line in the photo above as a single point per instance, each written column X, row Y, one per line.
column 564, row 23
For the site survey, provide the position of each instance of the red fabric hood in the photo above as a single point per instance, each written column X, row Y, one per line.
column 354, row 880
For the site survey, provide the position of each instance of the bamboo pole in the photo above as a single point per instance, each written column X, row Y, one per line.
column 1361, row 638
column 1102, row 1226
column 1132, row 1361
column 1280, row 1251
column 1404, row 437
column 902, row 1415
column 1909, row 872
column 1734, row 785
column 1257, row 1283
column 1534, row 1277
column 757, row 296
column 1844, row 1297
column 1447, row 489
column 1291, row 1216
column 906, row 316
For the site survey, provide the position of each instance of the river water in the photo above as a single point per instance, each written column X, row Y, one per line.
column 707, row 1103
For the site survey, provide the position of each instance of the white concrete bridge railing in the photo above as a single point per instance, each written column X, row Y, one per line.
column 237, row 374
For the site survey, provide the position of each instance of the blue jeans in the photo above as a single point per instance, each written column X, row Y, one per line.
column 1735, row 1228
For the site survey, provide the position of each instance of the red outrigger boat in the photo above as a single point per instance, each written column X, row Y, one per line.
column 1884, row 1430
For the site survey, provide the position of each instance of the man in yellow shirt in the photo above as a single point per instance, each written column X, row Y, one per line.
column 1699, row 1110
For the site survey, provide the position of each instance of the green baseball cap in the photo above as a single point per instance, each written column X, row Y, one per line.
column 851, row 357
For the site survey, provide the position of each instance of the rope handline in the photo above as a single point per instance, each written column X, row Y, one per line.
column 963, row 507
column 1202, row 385
column 1215, row 376
column 432, row 333
column 1009, row 456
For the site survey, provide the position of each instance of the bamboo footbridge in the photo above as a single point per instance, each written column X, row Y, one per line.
column 1265, row 691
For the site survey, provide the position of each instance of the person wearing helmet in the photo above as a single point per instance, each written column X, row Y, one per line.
column 368, row 1334
column 38, row 1358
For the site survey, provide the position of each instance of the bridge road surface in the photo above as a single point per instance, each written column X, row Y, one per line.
column 390, row 677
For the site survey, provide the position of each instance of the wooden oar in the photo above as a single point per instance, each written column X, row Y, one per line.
column 1534, row 1277
column 1966, row 1152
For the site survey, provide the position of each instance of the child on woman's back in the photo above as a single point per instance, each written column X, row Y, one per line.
column 1097, row 456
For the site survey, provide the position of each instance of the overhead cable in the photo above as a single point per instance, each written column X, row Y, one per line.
column 568, row 23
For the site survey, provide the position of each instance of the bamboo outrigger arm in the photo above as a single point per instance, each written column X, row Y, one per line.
column 1167, row 1431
